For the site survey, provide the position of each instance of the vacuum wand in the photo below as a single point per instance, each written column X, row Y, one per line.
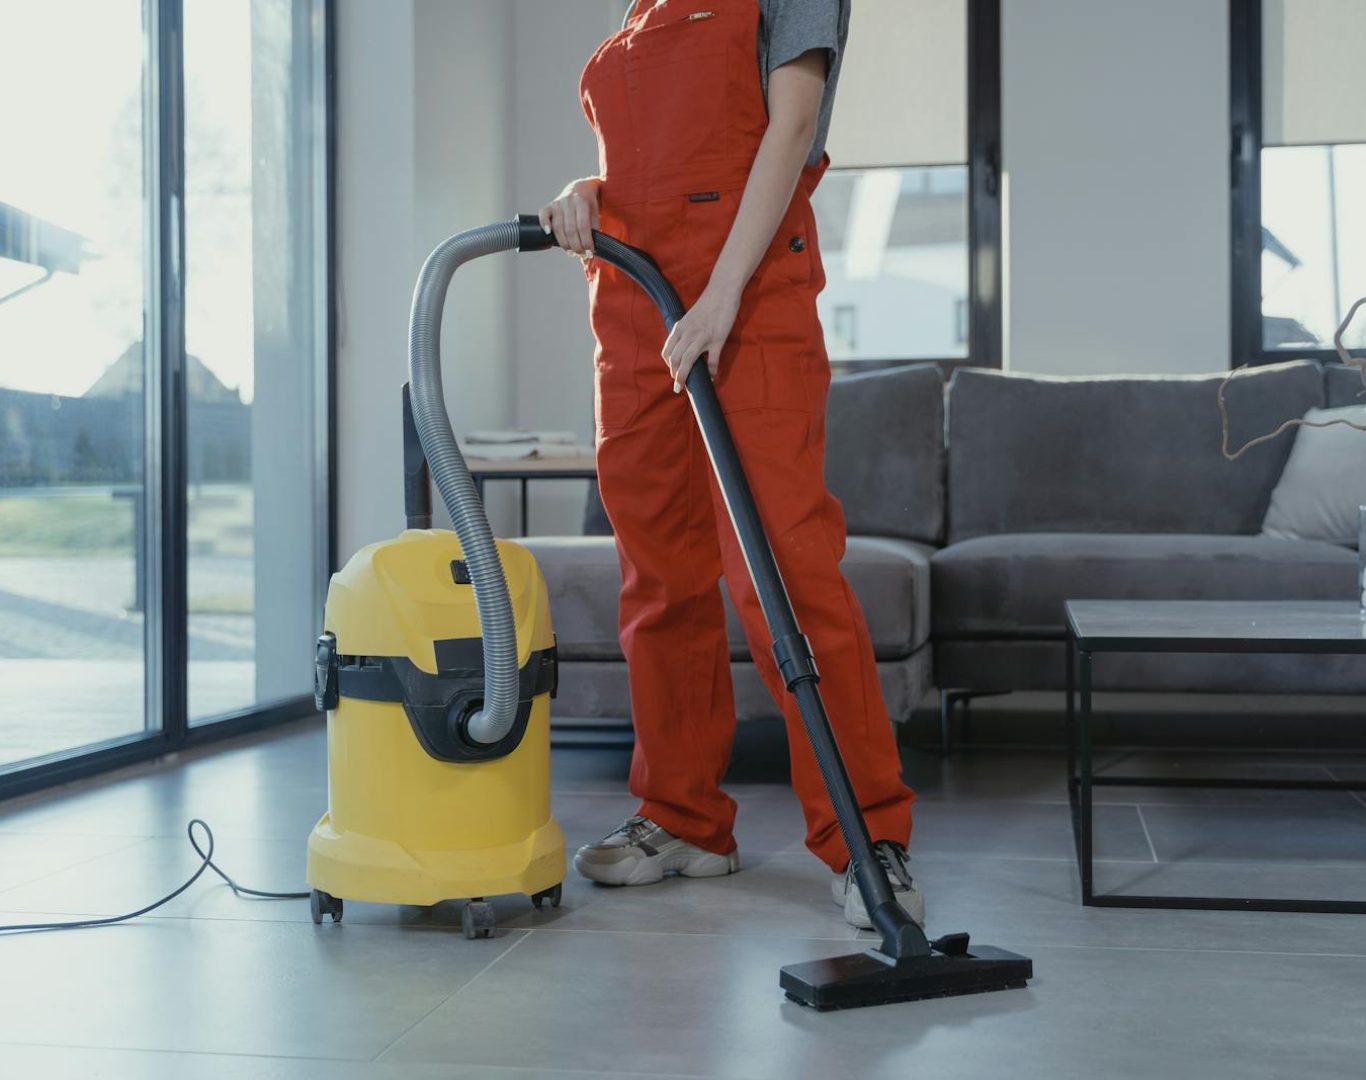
column 905, row 965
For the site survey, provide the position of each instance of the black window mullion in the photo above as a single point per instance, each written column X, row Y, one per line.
column 167, row 609
column 1245, row 179
column 984, row 184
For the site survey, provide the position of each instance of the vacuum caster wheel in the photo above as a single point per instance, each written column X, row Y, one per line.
column 552, row 894
column 321, row 903
column 478, row 919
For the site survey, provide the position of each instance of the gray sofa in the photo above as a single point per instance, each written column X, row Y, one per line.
column 975, row 510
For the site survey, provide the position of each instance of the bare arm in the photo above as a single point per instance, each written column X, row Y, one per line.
column 794, row 98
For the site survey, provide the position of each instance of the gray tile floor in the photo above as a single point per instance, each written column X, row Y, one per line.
column 680, row 979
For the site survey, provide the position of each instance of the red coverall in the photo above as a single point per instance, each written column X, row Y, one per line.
column 678, row 109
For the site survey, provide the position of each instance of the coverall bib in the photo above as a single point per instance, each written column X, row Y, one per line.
column 678, row 109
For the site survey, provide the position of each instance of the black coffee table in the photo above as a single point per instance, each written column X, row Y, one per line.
column 1192, row 626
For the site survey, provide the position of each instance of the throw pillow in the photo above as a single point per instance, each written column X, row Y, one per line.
column 1323, row 482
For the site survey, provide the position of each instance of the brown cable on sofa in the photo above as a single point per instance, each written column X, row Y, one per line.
column 1346, row 357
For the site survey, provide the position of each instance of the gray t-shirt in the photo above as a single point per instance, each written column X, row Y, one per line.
column 788, row 28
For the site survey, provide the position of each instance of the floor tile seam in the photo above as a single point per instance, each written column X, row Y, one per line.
column 936, row 856
column 1152, row 850
column 1201, row 949
column 744, row 932
column 72, row 866
column 943, row 857
column 352, row 925
column 179, row 834
column 378, row 1056
column 1231, row 802
column 178, row 1052
column 1356, row 795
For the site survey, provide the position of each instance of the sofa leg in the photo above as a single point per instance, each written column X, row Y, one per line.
column 946, row 702
column 949, row 700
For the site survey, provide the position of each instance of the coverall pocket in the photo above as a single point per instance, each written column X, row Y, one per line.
column 665, row 62
column 788, row 260
column 754, row 375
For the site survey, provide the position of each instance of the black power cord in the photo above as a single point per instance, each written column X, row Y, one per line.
column 207, row 864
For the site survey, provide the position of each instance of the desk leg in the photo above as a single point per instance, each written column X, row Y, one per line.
column 1084, row 739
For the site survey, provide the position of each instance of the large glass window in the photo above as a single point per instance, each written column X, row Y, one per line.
column 125, row 125
column 894, row 243
column 255, row 271
column 73, row 227
column 1313, row 244
column 893, row 213
column 1299, row 191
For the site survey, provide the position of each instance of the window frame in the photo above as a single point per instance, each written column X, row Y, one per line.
column 984, row 296
column 1246, row 332
column 168, row 728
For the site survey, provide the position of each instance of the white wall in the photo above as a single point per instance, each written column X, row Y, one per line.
column 1115, row 149
column 443, row 126
column 376, row 259
column 1115, row 145
column 553, row 144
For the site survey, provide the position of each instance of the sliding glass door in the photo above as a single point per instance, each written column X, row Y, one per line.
column 164, row 394
column 255, row 278
column 73, row 357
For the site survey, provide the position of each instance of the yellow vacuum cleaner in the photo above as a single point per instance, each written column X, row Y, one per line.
column 436, row 668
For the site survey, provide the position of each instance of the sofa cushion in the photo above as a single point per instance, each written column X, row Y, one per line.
column 884, row 455
column 1344, row 386
column 1014, row 585
column 1116, row 454
column 1324, row 482
column 891, row 578
column 601, row 689
column 884, row 451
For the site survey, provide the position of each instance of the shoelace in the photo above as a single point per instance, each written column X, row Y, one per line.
column 634, row 829
column 893, row 858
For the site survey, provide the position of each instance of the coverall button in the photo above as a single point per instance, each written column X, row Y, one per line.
column 796, row 244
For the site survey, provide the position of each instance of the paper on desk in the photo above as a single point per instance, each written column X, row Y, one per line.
column 514, row 436
column 519, row 450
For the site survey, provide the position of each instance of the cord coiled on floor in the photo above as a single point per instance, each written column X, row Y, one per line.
column 206, row 864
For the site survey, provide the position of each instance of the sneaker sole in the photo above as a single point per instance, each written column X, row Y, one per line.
column 855, row 914
column 654, row 868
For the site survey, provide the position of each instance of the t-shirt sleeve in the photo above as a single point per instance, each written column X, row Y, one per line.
column 794, row 26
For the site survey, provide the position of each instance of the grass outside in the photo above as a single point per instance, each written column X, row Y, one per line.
column 79, row 523
column 96, row 523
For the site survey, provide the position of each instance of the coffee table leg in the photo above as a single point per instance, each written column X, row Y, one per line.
column 524, row 506
column 1070, row 723
column 1084, row 739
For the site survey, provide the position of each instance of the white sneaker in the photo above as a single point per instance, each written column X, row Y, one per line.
column 894, row 859
column 639, row 852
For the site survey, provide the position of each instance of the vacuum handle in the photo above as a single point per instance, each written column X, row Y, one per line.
column 901, row 937
column 417, row 480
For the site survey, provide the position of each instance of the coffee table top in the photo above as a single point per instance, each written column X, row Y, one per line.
column 1264, row 626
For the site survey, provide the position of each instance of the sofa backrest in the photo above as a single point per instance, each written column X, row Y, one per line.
column 884, row 454
column 884, row 451
column 1344, row 385
column 1128, row 454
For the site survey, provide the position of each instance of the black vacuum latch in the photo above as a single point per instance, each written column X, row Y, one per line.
column 326, row 684
column 460, row 572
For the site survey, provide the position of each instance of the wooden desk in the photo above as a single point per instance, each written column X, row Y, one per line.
column 523, row 470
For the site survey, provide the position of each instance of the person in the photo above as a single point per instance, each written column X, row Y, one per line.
column 711, row 117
